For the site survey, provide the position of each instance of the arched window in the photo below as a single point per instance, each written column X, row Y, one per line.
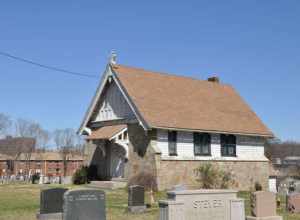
column 202, row 144
column 228, row 145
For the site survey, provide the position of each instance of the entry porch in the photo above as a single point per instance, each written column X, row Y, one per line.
column 107, row 153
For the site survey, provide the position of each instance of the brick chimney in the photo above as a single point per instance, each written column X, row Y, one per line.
column 214, row 79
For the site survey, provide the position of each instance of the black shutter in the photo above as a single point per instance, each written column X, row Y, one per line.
column 206, row 144
column 172, row 140
column 197, row 144
column 223, row 145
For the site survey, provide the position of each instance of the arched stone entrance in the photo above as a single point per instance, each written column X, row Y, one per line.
column 118, row 158
column 108, row 160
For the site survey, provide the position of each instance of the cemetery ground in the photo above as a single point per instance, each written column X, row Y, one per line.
column 21, row 201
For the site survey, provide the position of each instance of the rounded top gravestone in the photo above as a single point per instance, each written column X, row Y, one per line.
column 84, row 204
column 51, row 200
column 136, row 195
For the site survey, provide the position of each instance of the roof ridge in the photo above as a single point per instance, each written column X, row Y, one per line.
column 116, row 66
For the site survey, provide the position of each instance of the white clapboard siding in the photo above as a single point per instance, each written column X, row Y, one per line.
column 114, row 105
column 247, row 148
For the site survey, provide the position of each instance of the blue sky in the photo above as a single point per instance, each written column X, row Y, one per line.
column 252, row 45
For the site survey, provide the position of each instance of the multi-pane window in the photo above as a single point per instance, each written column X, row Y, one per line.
column 172, row 142
column 120, row 137
column 228, row 145
column 202, row 144
column 125, row 135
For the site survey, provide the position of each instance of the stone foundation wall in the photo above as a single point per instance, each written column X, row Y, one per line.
column 245, row 173
column 142, row 156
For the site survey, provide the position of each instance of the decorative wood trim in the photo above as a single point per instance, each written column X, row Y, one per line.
column 142, row 122
column 108, row 74
column 97, row 124
column 213, row 131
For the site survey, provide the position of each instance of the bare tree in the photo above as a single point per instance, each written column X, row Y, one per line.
column 65, row 140
column 43, row 137
column 80, row 142
column 27, row 128
column 5, row 123
column 64, row 137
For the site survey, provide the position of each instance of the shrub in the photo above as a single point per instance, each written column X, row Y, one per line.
column 226, row 179
column 34, row 178
column 80, row 176
column 145, row 179
column 210, row 177
column 257, row 186
column 92, row 171
column 206, row 175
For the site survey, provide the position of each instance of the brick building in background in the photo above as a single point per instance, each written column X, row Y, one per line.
column 13, row 146
column 5, row 164
column 10, row 149
column 47, row 164
column 18, row 156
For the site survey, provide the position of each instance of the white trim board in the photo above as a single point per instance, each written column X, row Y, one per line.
column 106, row 76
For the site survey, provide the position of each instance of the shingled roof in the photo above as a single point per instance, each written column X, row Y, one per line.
column 181, row 103
column 16, row 145
column 170, row 101
column 106, row 132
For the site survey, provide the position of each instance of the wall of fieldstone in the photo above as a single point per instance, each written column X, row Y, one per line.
column 245, row 173
column 142, row 155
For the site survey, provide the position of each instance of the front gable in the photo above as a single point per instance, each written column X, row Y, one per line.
column 112, row 105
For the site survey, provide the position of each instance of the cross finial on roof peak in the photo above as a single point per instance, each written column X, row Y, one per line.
column 113, row 57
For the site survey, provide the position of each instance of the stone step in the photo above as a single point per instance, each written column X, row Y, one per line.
column 107, row 184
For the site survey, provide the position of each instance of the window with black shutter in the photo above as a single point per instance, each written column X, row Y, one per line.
column 228, row 145
column 202, row 144
column 172, row 140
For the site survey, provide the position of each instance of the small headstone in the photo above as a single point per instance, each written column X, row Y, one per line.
column 237, row 209
column 46, row 180
column 293, row 203
column 179, row 188
column 84, row 204
column 136, row 198
column 51, row 200
column 171, row 210
column 263, row 206
column 297, row 184
column 66, row 180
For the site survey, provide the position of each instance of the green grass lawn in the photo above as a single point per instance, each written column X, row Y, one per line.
column 22, row 202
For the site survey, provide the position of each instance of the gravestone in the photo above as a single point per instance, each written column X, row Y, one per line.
column 237, row 209
column 179, row 188
column 51, row 203
column 202, row 204
column 171, row 210
column 41, row 180
column 84, row 204
column 136, row 199
column 263, row 206
column 51, row 200
column 297, row 189
column 293, row 202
